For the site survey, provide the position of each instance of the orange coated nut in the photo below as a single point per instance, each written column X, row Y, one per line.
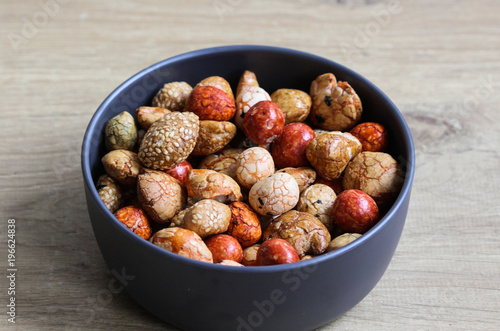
column 211, row 103
column 263, row 123
column 244, row 224
column 224, row 247
column 219, row 82
column 246, row 99
column 373, row 136
column 355, row 211
column 183, row 242
column 135, row 219
column 276, row 251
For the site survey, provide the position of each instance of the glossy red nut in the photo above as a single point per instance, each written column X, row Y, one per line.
column 276, row 251
column 289, row 150
column 211, row 103
column 224, row 247
column 373, row 136
column 355, row 211
column 263, row 123
column 180, row 171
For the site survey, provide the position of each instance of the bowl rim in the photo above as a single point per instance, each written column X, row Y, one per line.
column 89, row 138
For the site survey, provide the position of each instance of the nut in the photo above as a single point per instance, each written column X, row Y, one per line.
column 295, row 104
column 146, row 116
column 122, row 165
column 213, row 136
column 218, row 82
column 355, row 211
column 373, row 136
column 135, row 219
column 303, row 231
column 330, row 152
column 182, row 242
column 169, row 141
column 223, row 161
column 263, row 123
column 244, row 224
column 160, row 195
column 180, row 171
column 335, row 105
column 110, row 192
column 224, row 247
column 120, row 132
column 274, row 195
column 252, row 165
column 342, row 240
column 208, row 184
column 303, row 175
column 375, row 173
column 230, row 263
column 250, row 256
column 276, row 251
column 317, row 200
column 206, row 217
column 247, row 79
column 210, row 103
column 289, row 149
column 172, row 96
column 249, row 96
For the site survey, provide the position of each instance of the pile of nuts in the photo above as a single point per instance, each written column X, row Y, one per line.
column 251, row 178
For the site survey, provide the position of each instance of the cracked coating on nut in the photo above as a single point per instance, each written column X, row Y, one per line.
column 211, row 103
column 146, row 116
column 207, row 217
column 375, row 173
column 172, row 96
column 248, row 78
column 223, row 161
column 169, row 141
column 302, row 230
column 208, row 184
column 252, row 165
column 218, row 82
column 274, row 195
column 135, row 219
column 244, row 225
column 295, row 104
column 110, row 192
column 335, row 105
column 317, row 200
column 249, row 96
column 303, row 175
column 122, row 165
column 160, row 195
column 120, row 132
column 329, row 153
column 182, row 242
column 342, row 240
column 213, row 136
column 250, row 255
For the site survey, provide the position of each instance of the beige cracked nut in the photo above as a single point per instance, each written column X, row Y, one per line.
column 375, row 173
column 219, row 82
column 110, row 192
column 295, row 104
column 213, row 136
column 182, row 242
column 248, row 78
column 250, row 256
column 208, row 184
column 172, row 96
column 303, row 175
column 120, row 132
column 335, row 105
column 342, row 240
column 317, row 200
column 248, row 97
column 329, row 153
column 301, row 230
column 274, row 195
column 169, row 141
column 122, row 165
column 223, row 161
column 160, row 195
column 146, row 116
column 252, row 165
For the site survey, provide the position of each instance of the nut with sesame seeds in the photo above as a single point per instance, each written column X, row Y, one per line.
column 208, row 184
column 213, row 136
column 110, row 192
column 146, row 116
column 252, row 165
column 121, row 132
column 207, row 217
column 169, row 141
column 172, row 96
column 274, row 195
column 182, row 242
column 122, row 165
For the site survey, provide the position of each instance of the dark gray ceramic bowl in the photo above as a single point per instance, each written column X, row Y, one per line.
column 194, row 295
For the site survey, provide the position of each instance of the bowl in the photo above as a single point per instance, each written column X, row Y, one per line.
column 194, row 295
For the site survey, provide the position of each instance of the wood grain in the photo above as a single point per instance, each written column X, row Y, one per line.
column 438, row 61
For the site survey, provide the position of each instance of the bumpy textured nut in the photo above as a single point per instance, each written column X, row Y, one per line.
column 120, row 132
column 317, row 200
column 303, row 175
column 135, row 219
column 274, row 195
column 146, row 116
column 213, row 136
column 302, row 230
column 244, row 224
column 342, row 240
column 252, row 165
column 208, row 184
column 329, row 153
column 172, row 96
column 224, row 248
column 375, row 173
column 247, row 79
column 373, row 136
column 169, row 141
column 263, row 123
column 289, row 149
column 250, row 256
column 206, row 217
column 355, row 211
column 218, row 82
column 122, row 165
column 110, row 192
column 160, row 195
column 295, row 104
column 223, row 161
column 276, row 251
column 335, row 105
column 183, row 242
column 246, row 99
column 211, row 103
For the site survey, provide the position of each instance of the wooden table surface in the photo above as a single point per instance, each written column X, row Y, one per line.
column 439, row 61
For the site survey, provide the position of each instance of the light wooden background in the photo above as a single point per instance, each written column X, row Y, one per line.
column 439, row 61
